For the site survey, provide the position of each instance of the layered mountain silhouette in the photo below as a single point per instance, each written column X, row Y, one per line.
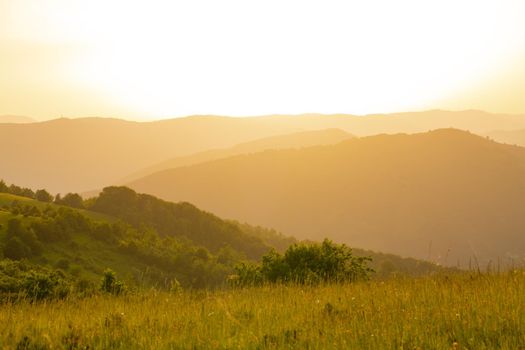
column 294, row 140
column 16, row 119
column 512, row 137
column 83, row 154
column 447, row 195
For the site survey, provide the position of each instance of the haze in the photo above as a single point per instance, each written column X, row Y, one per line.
column 154, row 59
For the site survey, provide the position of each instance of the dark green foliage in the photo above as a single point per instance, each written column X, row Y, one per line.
column 16, row 190
column 247, row 274
column 47, row 231
column 15, row 249
column 43, row 196
column 110, row 284
column 19, row 191
column 3, row 187
column 104, row 232
column 73, row 200
column 177, row 220
column 35, row 282
column 301, row 263
column 38, row 285
column 60, row 225
column 26, row 210
column 17, row 237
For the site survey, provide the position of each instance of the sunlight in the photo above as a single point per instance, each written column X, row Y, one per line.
column 165, row 58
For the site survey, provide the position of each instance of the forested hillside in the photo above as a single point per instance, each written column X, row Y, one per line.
column 447, row 195
column 294, row 140
column 145, row 240
column 79, row 155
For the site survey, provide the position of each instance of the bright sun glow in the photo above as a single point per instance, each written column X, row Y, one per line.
column 153, row 59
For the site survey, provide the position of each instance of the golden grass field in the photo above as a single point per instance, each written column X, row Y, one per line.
column 459, row 311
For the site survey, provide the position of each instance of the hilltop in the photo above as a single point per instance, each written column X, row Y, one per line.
column 15, row 119
column 147, row 241
column 447, row 195
column 169, row 242
column 77, row 155
column 512, row 137
column 294, row 140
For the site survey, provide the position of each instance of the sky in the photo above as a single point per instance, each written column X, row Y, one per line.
column 150, row 59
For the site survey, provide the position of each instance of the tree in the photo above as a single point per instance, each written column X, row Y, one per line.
column 110, row 284
column 15, row 249
column 3, row 187
column 15, row 231
column 40, row 286
column 73, row 200
column 43, row 196
column 302, row 263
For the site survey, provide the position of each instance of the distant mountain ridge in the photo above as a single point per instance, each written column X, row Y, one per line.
column 512, row 137
column 446, row 195
column 76, row 155
column 15, row 119
column 295, row 140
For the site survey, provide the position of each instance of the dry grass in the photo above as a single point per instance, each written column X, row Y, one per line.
column 462, row 311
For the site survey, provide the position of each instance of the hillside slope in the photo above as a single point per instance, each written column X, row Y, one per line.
column 196, row 248
column 148, row 243
column 295, row 140
column 511, row 137
column 447, row 195
column 77, row 155
column 15, row 119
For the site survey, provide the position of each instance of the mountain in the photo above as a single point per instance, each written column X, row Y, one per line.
column 512, row 137
column 147, row 241
column 294, row 140
column 15, row 119
column 447, row 195
column 169, row 241
column 76, row 155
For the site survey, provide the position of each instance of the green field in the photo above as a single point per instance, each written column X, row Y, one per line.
column 6, row 199
column 463, row 311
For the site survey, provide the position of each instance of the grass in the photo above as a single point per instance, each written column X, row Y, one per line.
column 462, row 311
column 7, row 199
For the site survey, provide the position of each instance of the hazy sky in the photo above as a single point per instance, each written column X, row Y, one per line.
column 154, row 59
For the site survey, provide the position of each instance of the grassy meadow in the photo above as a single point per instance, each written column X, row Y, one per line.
column 458, row 311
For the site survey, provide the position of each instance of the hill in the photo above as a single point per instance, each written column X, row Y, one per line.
column 192, row 247
column 15, row 119
column 446, row 195
column 147, row 241
column 512, row 137
column 294, row 140
column 77, row 155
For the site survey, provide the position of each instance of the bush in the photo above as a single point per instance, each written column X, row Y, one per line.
column 33, row 281
column 40, row 286
column 110, row 284
column 73, row 200
column 15, row 249
column 43, row 196
column 16, row 231
column 326, row 262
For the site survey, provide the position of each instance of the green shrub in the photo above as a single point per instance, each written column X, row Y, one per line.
column 110, row 284
column 40, row 286
column 301, row 263
column 15, row 249
column 43, row 196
